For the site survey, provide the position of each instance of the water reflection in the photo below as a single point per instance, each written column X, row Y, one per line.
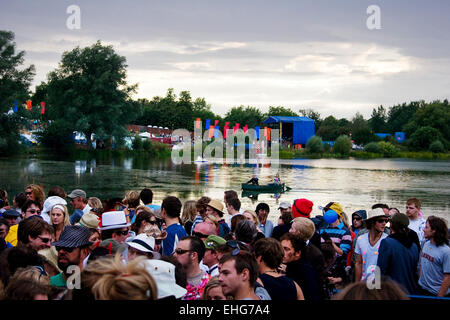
column 355, row 184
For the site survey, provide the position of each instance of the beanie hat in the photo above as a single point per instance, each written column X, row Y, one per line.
column 302, row 208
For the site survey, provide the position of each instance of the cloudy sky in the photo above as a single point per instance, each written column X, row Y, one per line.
column 298, row 54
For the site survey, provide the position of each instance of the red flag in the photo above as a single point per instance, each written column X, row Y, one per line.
column 198, row 123
column 28, row 104
column 225, row 129
column 216, row 122
column 211, row 131
column 245, row 128
column 42, row 107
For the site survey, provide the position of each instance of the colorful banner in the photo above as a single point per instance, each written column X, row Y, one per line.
column 257, row 133
column 198, row 123
column 28, row 104
column 42, row 107
column 216, row 131
column 211, row 131
column 225, row 130
column 216, row 123
column 245, row 128
column 16, row 104
column 207, row 124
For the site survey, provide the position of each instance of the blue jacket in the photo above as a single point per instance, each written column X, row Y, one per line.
column 397, row 258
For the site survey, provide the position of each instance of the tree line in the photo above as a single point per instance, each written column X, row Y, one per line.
column 88, row 92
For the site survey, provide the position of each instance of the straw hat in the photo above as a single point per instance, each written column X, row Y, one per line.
column 217, row 205
column 375, row 213
column 153, row 231
column 51, row 255
column 114, row 220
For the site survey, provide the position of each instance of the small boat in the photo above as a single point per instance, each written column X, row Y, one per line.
column 270, row 188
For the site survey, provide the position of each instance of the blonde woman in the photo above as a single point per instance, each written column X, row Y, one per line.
column 96, row 206
column 188, row 215
column 59, row 219
column 212, row 220
column 36, row 193
column 252, row 216
column 110, row 279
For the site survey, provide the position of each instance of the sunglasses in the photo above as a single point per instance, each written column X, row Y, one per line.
column 357, row 218
column 69, row 250
column 181, row 251
column 382, row 220
column 33, row 211
column 200, row 235
column 28, row 192
column 45, row 240
column 123, row 233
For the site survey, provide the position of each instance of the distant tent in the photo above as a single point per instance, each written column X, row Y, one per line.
column 299, row 129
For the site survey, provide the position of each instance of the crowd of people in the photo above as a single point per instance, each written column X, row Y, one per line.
column 213, row 249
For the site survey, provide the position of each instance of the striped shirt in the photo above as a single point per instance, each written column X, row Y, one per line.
column 340, row 235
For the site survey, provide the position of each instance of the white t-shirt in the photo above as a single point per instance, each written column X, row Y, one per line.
column 369, row 254
column 418, row 225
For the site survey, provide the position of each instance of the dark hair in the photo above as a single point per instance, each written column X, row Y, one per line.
column 243, row 260
column 143, row 216
column 201, row 204
column 286, row 217
column 3, row 221
column 245, row 231
column 235, row 203
column 296, row 241
column 380, row 205
column 440, row 230
column 57, row 191
column 389, row 290
column 196, row 245
column 28, row 204
column 172, row 206
column 18, row 257
column 235, row 220
column 20, row 199
column 146, row 196
column 25, row 289
column 230, row 194
column 33, row 227
column 180, row 273
column 262, row 206
column 270, row 251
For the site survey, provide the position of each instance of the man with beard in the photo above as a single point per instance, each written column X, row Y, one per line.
column 73, row 248
column 189, row 252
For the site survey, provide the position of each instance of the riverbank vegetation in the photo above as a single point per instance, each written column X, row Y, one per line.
column 88, row 93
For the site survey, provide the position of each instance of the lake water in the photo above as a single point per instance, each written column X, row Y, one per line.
column 355, row 184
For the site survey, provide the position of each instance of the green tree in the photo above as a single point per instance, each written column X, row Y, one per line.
column 281, row 112
column 400, row 115
column 328, row 129
column 378, row 120
column 423, row 137
column 249, row 115
column 310, row 113
column 314, row 145
column 14, row 85
column 360, row 130
column 372, row 147
column 89, row 91
column 387, row 148
column 437, row 146
column 342, row 146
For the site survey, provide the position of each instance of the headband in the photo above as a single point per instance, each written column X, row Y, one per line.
column 59, row 206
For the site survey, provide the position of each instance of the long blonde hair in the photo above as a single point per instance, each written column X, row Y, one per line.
column 65, row 212
column 110, row 279
column 189, row 211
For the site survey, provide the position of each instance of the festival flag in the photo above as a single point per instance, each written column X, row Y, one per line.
column 216, row 131
column 198, row 123
column 216, row 123
column 207, row 124
column 16, row 103
column 42, row 107
column 225, row 129
column 245, row 128
column 268, row 133
column 211, row 131
column 28, row 104
column 257, row 133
